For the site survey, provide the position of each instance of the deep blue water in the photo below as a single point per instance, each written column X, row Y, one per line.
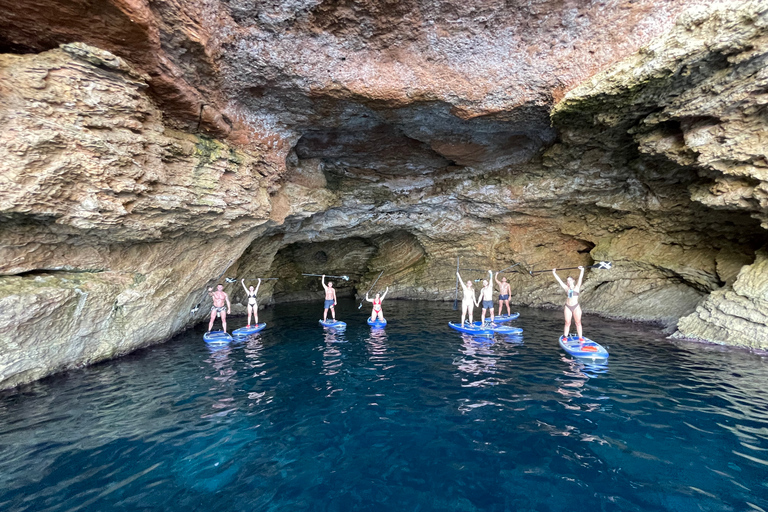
column 415, row 417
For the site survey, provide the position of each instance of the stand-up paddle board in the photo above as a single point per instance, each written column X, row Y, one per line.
column 587, row 349
column 217, row 337
column 377, row 323
column 333, row 324
column 247, row 331
column 472, row 329
column 501, row 329
column 505, row 318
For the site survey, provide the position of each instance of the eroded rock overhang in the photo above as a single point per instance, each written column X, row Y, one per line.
column 260, row 138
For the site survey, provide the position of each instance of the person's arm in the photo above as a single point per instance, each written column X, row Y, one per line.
column 464, row 287
column 366, row 297
column 242, row 282
column 385, row 293
column 334, row 297
column 581, row 278
column 257, row 288
column 562, row 284
column 229, row 306
column 322, row 281
column 476, row 300
column 496, row 278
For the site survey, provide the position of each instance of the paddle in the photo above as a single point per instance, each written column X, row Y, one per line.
column 603, row 265
column 234, row 279
column 456, row 300
column 371, row 288
column 346, row 278
column 513, row 266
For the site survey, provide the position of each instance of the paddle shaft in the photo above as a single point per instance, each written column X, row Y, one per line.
column 371, row 288
column 456, row 299
column 564, row 268
column 321, row 275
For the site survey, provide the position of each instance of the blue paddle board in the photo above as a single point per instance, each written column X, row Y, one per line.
column 377, row 323
column 217, row 337
column 505, row 318
column 247, row 331
column 587, row 349
column 501, row 329
column 471, row 329
column 334, row 324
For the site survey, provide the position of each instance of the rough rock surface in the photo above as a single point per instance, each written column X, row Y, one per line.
column 356, row 137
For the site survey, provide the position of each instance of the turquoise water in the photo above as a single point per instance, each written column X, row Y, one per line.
column 414, row 417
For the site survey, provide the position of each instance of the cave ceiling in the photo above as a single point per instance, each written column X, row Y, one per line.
column 393, row 87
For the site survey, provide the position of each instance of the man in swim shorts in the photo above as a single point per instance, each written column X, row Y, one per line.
column 468, row 302
column 330, row 299
column 486, row 296
column 218, row 309
column 504, row 293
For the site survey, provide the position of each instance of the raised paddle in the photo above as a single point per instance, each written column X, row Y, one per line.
column 603, row 265
column 346, row 278
column 510, row 267
column 456, row 300
column 371, row 288
column 234, row 279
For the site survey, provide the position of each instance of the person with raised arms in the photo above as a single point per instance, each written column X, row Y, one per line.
column 486, row 297
column 253, row 306
column 330, row 299
column 218, row 309
column 572, row 308
column 377, row 300
column 468, row 302
column 505, row 291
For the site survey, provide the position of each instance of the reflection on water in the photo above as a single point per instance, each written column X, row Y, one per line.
column 414, row 417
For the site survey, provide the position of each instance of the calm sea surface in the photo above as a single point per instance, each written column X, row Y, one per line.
column 414, row 417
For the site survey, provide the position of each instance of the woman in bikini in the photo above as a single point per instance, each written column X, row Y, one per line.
column 253, row 307
column 572, row 308
column 377, row 300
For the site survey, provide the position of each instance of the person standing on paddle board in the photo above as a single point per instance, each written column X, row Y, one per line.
column 218, row 309
column 486, row 296
column 252, row 305
column 330, row 299
column 505, row 290
column 468, row 303
column 377, row 300
column 572, row 308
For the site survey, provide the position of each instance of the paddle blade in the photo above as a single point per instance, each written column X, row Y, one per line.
column 455, row 304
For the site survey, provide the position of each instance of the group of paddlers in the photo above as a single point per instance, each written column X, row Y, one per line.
column 222, row 307
column 572, row 311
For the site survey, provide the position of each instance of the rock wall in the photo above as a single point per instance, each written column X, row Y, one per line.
column 192, row 141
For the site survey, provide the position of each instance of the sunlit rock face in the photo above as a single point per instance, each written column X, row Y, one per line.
column 169, row 145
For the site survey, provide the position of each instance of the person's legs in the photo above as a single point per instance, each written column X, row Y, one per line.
column 255, row 314
column 381, row 315
column 325, row 314
column 213, row 317
column 333, row 313
column 577, row 321
column 482, row 316
column 509, row 311
column 500, row 303
column 250, row 310
column 568, row 315
column 491, row 311
column 224, row 320
column 464, row 311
